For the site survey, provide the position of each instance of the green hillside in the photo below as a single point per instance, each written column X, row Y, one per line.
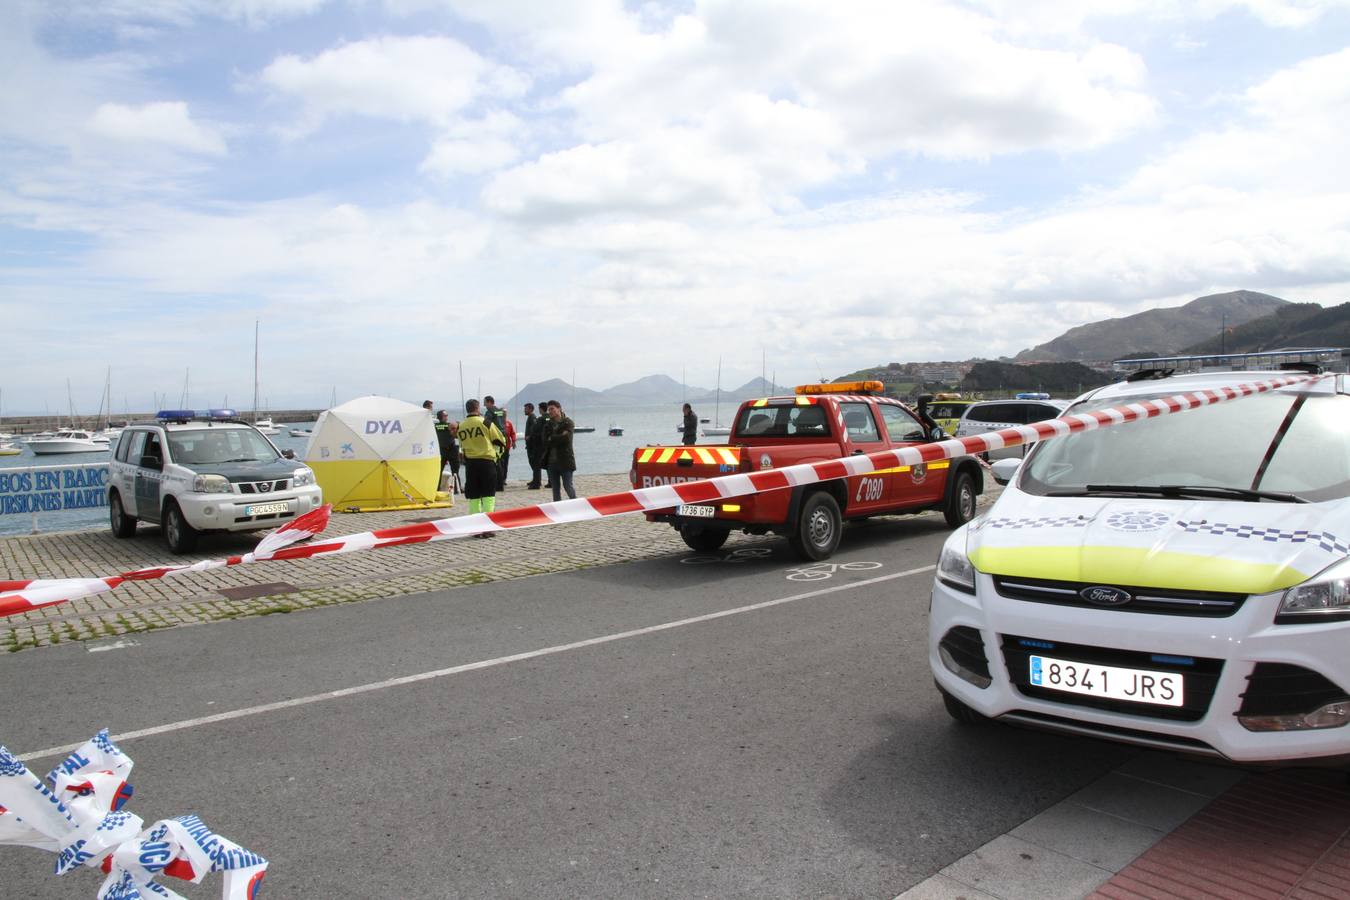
column 1295, row 325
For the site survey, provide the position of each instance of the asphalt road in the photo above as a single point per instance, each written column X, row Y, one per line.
column 659, row 729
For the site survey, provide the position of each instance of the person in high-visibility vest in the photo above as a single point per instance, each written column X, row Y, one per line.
column 479, row 441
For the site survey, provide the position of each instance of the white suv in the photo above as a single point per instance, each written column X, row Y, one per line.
column 991, row 415
column 1181, row 582
column 190, row 474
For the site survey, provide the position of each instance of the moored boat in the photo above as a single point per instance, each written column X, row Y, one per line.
column 67, row 442
column 9, row 449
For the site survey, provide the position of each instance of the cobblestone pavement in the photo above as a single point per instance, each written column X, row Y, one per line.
column 286, row 586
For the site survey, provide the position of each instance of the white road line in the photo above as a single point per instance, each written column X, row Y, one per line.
column 467, row 667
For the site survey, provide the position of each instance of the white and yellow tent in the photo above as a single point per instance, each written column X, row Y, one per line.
column 374, row 454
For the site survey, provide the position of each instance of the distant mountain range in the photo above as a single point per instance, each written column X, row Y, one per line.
column 1255, row 322
column 1156, row 332
column 653, row 390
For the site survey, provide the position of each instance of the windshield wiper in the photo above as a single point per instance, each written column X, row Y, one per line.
column 244, row 459
column 1181, row 490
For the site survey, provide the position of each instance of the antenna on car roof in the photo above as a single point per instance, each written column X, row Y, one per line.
column 1149, row 374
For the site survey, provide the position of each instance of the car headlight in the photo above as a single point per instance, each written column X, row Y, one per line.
column 303, row 477
column 954, row 568
column 1323, row 598
column 210, row 484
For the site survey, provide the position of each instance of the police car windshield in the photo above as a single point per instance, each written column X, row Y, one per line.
column 209, row 446
column 1237, row 444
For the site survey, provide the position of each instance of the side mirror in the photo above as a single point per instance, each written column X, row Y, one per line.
column 151, row 462
column 1004, row 470
column 288, row 453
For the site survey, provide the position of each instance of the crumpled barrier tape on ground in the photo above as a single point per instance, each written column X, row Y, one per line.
column 76, row 813
column 21, row 596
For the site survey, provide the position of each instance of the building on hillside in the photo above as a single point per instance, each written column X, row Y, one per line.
column 1330, row 358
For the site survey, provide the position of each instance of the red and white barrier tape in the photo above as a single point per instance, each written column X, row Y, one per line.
column 76, row 813
column 21, row 596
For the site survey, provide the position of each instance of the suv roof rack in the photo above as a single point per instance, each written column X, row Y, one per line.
column 1149, row 374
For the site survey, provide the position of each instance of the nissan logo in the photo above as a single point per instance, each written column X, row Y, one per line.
column 266, row 486
column 1105, row 596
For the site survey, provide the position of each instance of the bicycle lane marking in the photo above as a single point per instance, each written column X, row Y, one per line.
column 823, row 570
column 246, row 712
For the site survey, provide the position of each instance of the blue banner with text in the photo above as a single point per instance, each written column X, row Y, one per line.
column 52, row 488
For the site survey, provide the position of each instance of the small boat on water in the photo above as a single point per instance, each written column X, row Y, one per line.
column 8, row 449
column 716, row 432
column 301, row 432
column 584, row 429
column 67, row 442
column 266, row 426
column 615, row 431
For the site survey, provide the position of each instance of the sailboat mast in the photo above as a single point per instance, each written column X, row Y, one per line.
column 718, row 405
column 255, row 371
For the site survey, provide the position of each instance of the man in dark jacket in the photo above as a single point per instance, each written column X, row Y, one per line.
column 445, row 437
column 497, row 416
column 559, row 459
column 690, row 426
column 542, row 426
column 532, row 446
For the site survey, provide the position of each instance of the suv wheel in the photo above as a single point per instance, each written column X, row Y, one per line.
column 818, row 527
column 960, row 507
column 123, row 525
column 180, row 536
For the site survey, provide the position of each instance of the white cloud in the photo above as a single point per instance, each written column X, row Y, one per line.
column 165, row 123
column 475, row 147
column 406, row 79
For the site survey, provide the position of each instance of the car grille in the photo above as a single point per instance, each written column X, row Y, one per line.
column 1279, row 689
column 262, row 487
column 1201, row 676
column 1159, row 601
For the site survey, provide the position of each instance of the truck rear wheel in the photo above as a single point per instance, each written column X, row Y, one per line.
column 702, row 538
column 819, row 526
column 960, row 507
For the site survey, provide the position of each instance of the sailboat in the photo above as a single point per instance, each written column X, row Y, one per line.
column 578, row 429
column 717, row 429
column 266, row 426
column 7, row 447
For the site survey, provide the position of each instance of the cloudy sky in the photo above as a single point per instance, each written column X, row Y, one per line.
column 532, row 187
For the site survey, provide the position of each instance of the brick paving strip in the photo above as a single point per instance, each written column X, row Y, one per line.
column 1276, row 835
column 233, row 592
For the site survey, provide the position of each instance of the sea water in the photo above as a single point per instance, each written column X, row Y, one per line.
column 597, row 453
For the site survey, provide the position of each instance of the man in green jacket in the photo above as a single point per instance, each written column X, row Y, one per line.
column 559, row 459
column 478, row 443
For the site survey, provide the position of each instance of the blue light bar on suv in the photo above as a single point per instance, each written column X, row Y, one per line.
column 184, row 415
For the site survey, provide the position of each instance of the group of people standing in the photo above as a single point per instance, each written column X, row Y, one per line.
column 483, row 441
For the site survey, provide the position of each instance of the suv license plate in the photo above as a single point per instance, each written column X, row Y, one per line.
column 1135, row 685
column 697, row 512
column 262, row 509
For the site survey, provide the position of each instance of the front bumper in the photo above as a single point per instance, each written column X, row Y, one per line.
column 1234, row 644
column 235, row 512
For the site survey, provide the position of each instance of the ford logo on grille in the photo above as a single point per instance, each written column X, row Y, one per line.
column 1105, row 596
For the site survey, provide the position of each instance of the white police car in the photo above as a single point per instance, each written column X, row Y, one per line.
column 190, row 473
column 1180, row 583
